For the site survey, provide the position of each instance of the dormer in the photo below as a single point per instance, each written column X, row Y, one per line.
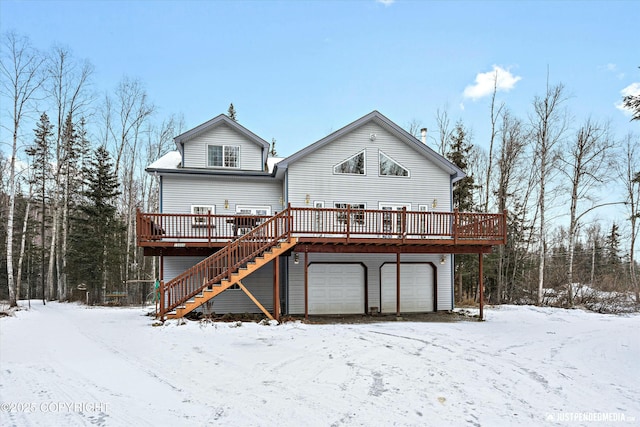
column 222, row 144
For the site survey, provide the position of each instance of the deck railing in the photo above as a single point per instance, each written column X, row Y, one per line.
column 162, row 229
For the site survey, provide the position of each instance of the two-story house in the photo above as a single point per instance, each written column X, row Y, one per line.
column 359, row 221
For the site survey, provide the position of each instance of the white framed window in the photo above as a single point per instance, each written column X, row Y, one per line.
column 253, row 210
column 390, row 167
column 392, row 222
column 318, row 221
column 354, row 165
column 223, row 156
column 201, row 221
column 242, row 225
column 357, row 216
column 423, row 220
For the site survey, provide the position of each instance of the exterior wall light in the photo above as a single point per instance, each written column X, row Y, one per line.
column 226, row 203
column 307, row 200
column 434, row 204
column 442, row 260
column 296, row 259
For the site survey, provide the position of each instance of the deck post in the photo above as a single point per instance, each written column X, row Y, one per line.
column 306, row 285
column 161, row 287
column 276, row 288
column 398, row 283
column 403, row 224
column 481, row 285
column 209, row 227
column 348, row 221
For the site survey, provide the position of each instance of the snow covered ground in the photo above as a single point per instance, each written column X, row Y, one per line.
column 67, row 365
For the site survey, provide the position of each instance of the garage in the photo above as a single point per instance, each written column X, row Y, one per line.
column 336, row 288
column 416, row 287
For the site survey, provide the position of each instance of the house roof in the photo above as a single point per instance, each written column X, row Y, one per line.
column 215, row 122
column 375, row 116
column 171, row 160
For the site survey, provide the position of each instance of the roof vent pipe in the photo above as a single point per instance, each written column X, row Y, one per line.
column 423, row 132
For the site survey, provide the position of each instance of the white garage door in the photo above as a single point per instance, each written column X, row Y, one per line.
column 336, row 289
column 416, row 288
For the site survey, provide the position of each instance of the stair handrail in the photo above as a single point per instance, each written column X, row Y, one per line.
column 228, row 260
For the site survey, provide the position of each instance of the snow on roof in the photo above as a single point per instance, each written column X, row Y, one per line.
column 171, row 160
column 272, row 161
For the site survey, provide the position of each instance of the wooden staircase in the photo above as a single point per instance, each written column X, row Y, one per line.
column 227, row 267
column 210, row 292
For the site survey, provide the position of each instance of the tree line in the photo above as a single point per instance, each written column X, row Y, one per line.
column 541, row 170
column 74, row 177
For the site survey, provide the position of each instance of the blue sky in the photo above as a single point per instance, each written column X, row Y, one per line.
column 298, row 70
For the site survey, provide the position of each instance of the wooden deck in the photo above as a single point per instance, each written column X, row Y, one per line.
column 237, row 245
column 329, row 230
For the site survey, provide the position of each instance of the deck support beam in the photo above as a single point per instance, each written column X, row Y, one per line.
column 161, row 290
column 306, row 285
column 255, row 300
column 397, row 283
column 276, row 288
column 481, row 286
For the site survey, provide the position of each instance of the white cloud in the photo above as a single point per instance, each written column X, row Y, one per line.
column 386, row 2
column 632, row 90
column 485, row 82
column 612, row 68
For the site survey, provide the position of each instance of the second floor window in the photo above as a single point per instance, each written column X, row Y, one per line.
column 223, row 156
column 389, row 167
column 354, row 165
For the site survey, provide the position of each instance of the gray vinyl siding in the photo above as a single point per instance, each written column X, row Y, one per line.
column 314, row 175
column 179, row 192
column 373, row 263
column 195, row 150
column 260, row 284
column 175, row 265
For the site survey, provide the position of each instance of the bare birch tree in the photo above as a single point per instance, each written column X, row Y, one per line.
column 585, row 165
column 548, row 125
column 20, row 80
column 444, row 130
column 511, row 149
column 495, row 115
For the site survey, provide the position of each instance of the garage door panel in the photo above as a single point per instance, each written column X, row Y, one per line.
column 416, row 288
column 336, row 289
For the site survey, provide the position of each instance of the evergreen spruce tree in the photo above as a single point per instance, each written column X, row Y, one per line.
column 272, row 150
column 40, row 153
column 232, row 113
column 94, row 240
column 458, row 154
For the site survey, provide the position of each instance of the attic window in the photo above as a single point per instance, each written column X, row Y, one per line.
column 389, row 167
column 354, row 165
column 223, row 156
